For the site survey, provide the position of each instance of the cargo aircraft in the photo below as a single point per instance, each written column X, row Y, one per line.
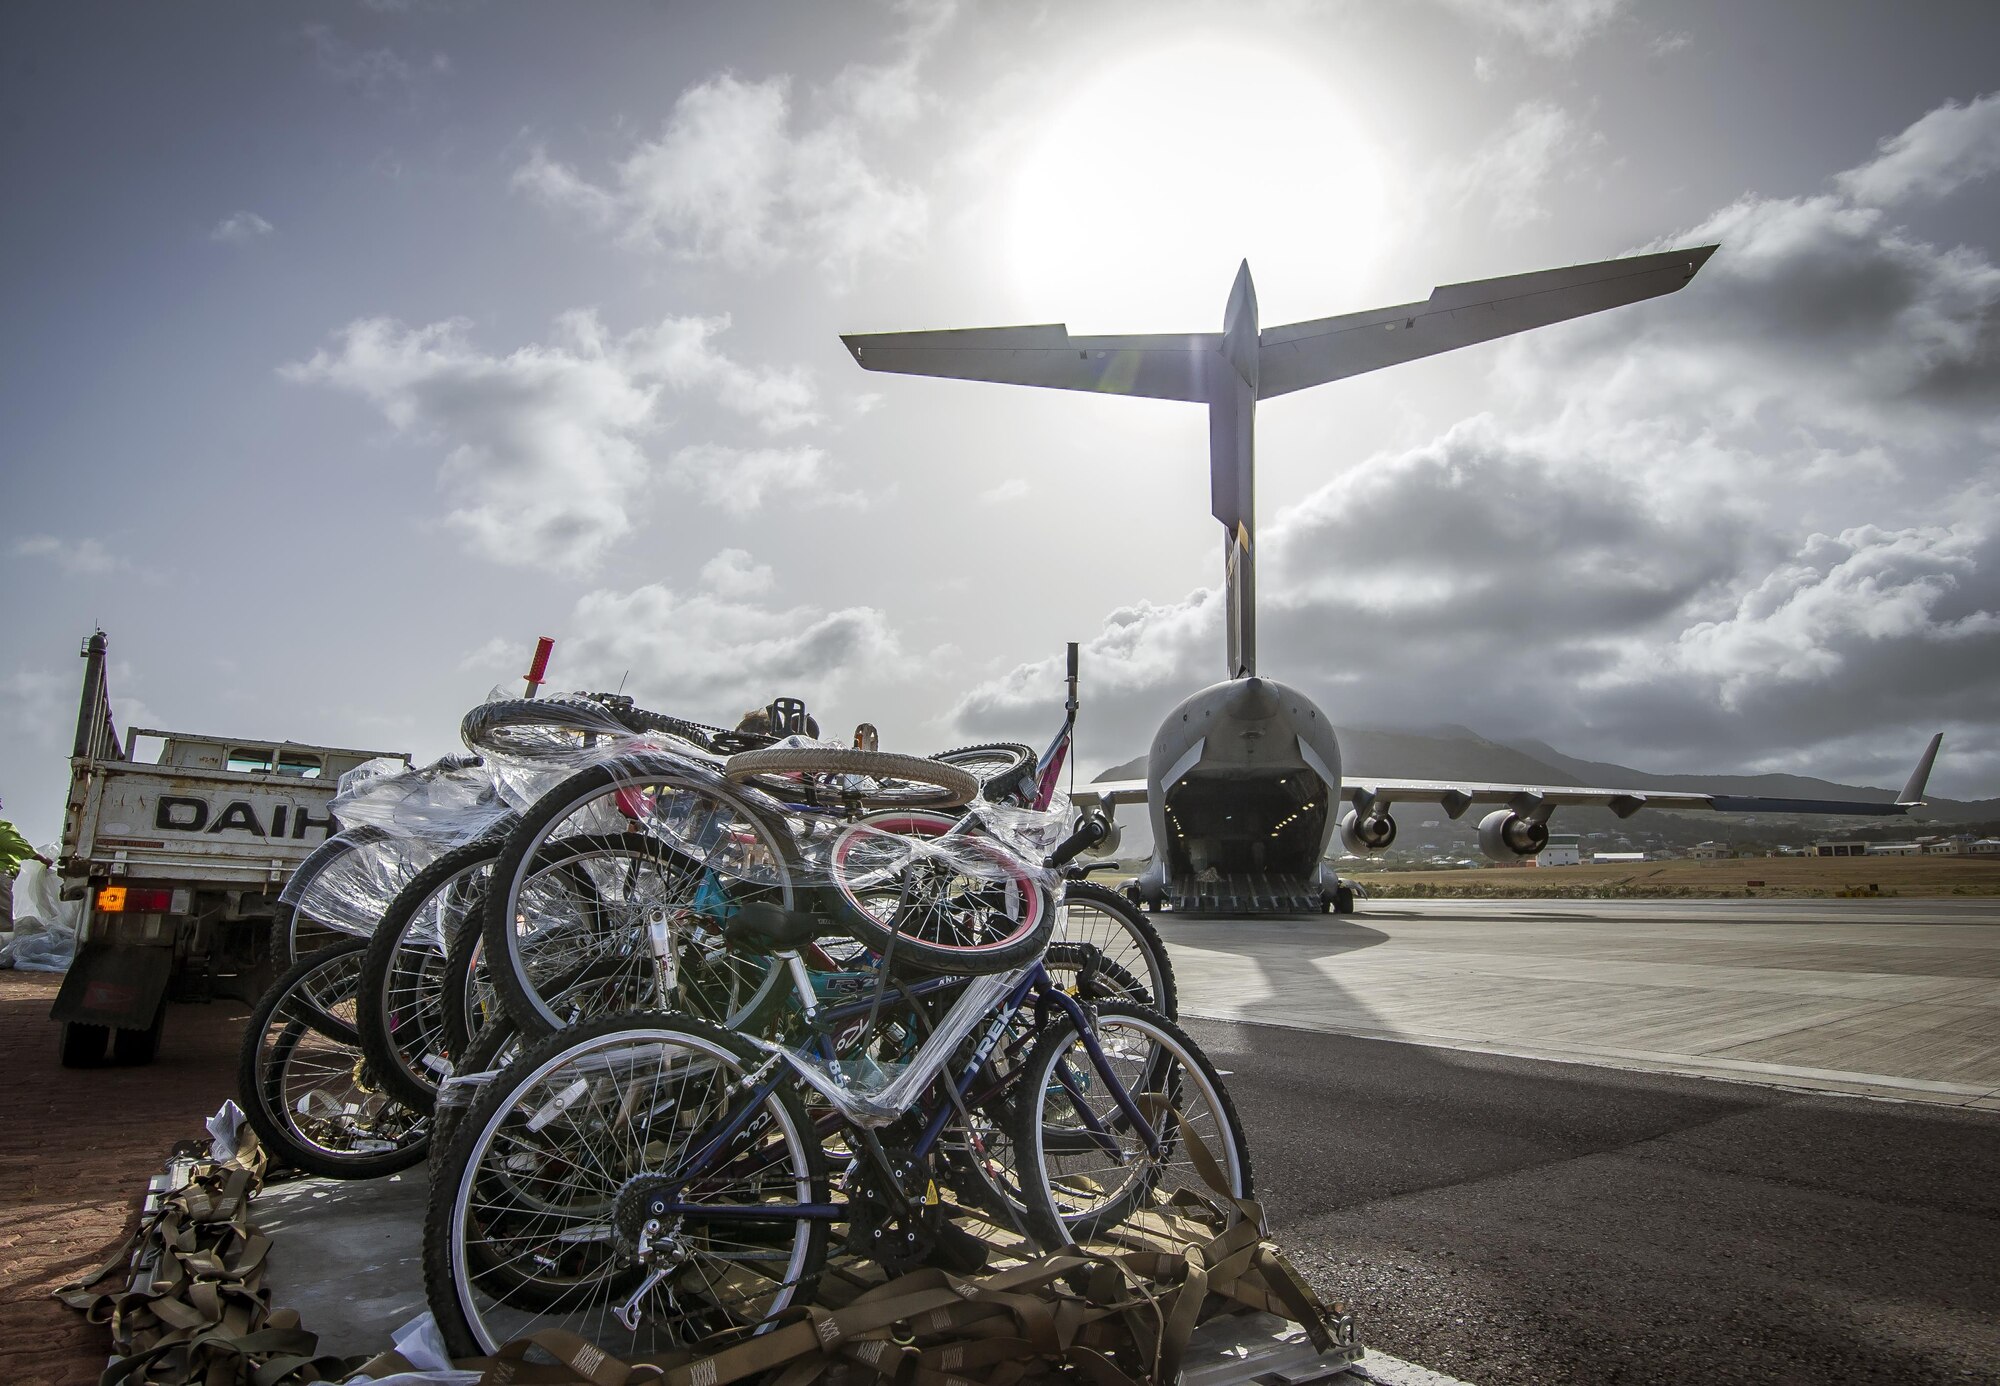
column 1243, row 781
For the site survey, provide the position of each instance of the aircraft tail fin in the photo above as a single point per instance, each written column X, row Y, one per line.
column 1913, row 792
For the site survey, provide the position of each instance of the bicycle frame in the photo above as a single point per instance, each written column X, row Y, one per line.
column 1035, row 982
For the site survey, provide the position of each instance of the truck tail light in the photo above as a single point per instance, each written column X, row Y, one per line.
column 124, row 900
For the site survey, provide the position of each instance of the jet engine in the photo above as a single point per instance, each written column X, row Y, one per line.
column 1108, row 847
column 1505, row 835
column 1364, row 835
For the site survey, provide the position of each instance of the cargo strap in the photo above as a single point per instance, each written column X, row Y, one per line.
column 1117, row 1312
column 192, row 1307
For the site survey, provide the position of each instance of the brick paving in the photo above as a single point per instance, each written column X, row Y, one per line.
column 76, row 1150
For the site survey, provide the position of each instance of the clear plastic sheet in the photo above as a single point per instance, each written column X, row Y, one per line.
column 354, row 888
column 874, row 1094
column 530, row 746
column 446, row 803
column 743, row 832
column 45, row 924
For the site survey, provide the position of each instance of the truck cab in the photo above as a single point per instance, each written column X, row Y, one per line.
column 180, row 843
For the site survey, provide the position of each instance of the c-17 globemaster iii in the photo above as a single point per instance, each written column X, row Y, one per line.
column 1243, row 777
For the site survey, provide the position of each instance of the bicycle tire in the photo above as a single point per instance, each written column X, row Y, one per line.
column 1125, row 937
column 288, row 1042
column 294, row 934
column 999, row 765
column 970, row 909
column 937, row 785
column 735, row 843
column 1100, row 1189
column 399, row 1012
column 502, row 1154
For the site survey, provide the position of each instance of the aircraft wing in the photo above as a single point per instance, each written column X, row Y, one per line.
column 1159, row 366
column 1109, row 792
column 1455, row 797
column 1300, row 354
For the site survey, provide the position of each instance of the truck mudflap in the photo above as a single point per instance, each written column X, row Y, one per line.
column 115, row 984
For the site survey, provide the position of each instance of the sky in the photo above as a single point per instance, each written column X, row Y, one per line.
column 350, row 347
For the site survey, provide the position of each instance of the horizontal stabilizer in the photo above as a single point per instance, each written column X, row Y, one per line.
column 1301, row 354
column 1158, row 366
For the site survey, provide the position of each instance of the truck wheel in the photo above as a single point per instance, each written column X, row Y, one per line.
column 83, row 1045
column 140, row 1046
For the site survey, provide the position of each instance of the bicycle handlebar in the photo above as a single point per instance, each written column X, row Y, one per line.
column 1091, row 829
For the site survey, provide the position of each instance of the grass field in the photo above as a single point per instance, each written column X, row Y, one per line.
column 1765, row 876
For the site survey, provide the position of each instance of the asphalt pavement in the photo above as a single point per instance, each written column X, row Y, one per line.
column 1516, row 1220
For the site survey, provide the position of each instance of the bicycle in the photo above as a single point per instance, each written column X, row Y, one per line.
column 663, row 1183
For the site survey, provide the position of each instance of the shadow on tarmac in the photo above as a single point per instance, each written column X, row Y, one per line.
column 1510, row 1219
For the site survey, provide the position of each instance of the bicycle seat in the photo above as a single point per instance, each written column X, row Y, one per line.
column 762, row 925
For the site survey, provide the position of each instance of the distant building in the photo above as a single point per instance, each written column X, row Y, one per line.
column 1618, row 856
column 1826, row 847
column 1895, row 849
column 1564, row 849
column 1709, row 851
column 1984, row 847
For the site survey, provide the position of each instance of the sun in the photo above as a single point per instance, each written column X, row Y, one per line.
column 1134, row 204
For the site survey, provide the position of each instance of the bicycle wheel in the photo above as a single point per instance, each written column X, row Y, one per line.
column 981, row 1152
column 869, row 777
column 652, row 897
column 305, row 1085
column 402, row 995
column 545, row 1214
column 1084, row 1164
column 998, row 765
column 471, row 1003
column 1124, row 938
column 951, row 904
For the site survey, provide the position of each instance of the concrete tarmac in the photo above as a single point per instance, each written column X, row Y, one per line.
column 1884, row 998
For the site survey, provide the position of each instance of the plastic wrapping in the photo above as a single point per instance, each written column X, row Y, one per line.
column 394, row 821
column 873, row 1093
column 447, row 802
column 354, row 888
column 45, row 924
column 529, row 747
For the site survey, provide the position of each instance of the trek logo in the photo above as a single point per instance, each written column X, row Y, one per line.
column 175, row 814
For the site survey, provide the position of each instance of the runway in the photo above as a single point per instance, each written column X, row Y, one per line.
column 1505, row 1218
column 1877, row 998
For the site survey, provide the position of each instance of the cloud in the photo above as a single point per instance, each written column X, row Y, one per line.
column 33, row 703
column 1509, row 172
column 1557, row 28
column 735, row 177
column 741, row 480
column 733, row 573
column 1947, row 148
column 379, row 73
column 76, row 557
column 240, row 228
column 741, row 176
column 714, row 651
column 547, row 446
column 1013, row 488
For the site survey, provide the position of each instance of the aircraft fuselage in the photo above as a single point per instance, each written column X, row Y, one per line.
column 1240, row 784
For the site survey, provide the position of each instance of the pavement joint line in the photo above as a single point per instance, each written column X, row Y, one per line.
column 1780, row 1076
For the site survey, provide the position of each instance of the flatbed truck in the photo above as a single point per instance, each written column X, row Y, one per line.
column 180, row 860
